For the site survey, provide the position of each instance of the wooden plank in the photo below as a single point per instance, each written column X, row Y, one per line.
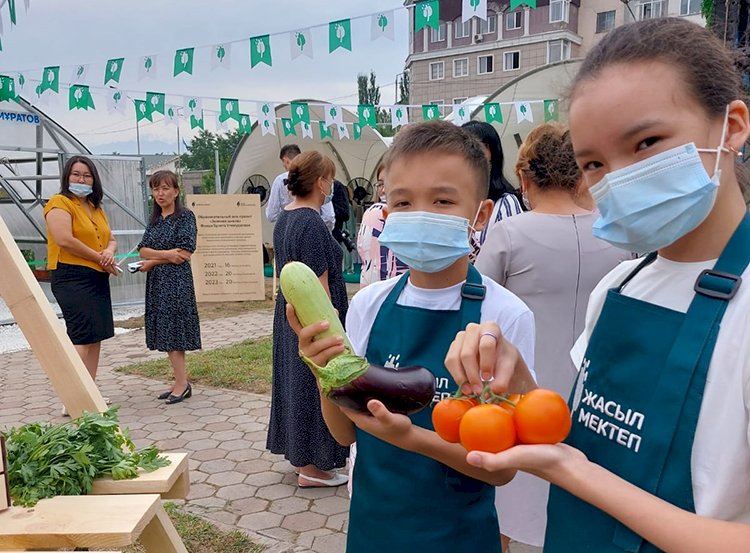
column 160, row 535
column 43, row 331
column 167, row 481
column 78, row 521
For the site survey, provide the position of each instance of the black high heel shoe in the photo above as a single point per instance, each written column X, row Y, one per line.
column 177, row 399
column 165, row 395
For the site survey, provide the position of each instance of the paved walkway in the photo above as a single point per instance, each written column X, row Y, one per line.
column 235, row 482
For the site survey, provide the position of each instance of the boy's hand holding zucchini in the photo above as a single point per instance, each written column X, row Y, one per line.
column 347, row 379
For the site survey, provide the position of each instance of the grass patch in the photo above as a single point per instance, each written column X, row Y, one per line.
column 246, row 366
column 200, row 536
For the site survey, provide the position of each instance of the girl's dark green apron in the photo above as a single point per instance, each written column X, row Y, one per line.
column 637, row 401
column 402, row 501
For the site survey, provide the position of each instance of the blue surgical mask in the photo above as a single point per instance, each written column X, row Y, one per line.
column 328, row 197
column 653, row 203
column 80, row 190
column 426, row 242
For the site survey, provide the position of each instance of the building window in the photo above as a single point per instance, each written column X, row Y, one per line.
column 558, row 11
column 650, row 9
column 511, row 61
column 558, row 50
column 490, row 26
column 461, row 67
column 437, row 71
column 514, row 20
column 438, row 35
column 690, row 7
column 461, row 30
column 485, row 64
column 459, row 100
column 605, row 21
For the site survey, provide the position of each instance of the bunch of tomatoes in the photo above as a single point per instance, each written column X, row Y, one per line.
column 493, row 423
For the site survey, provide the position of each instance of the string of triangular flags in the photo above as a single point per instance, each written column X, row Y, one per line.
column 12, row 15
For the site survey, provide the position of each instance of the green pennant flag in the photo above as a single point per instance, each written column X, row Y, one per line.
column 7, row 88
column 515, row 3
column 50, row 79
column 426, row 14
column 113, row 70
column 551, row 111
column 340, row 35
column 183, row 61
column 288, row 127
column 356, row 131
column 155, row 103
column 430, row 112
column 300, row 113
column 493, row 113
column 196, row 123
column 79, row 97
column 260, row 50
column 367, row 115
column 230, row 109
column 12, row 9
column 325, row 132
column 141, row 111
column 246, row 126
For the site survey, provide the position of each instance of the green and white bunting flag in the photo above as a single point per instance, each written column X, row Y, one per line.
column 141, row 111
column 551, row 111
column 300, row 43
column 399, row 116
column 183, row 61
column 300, row 112
column 80, row 74
column 493, row 113
column 426, row 14
column 26, row 4
column 221, row 56
column 367, row 115
column 523, row 112
column 12, row 10
column 288, row 127
column 307, row 131
column 325, row 132
column 267, row 118
column 50, row 80
column 340, row 35
column 113, row 70
column 356, row 131
column 79, row 97
column 334, row 115
column 7, row 88
column 474, row 8
column 515, row 3
column 172, row 116
column 381, row 26
column 147, row 68
column 260, row 50
column 194, row 111
column 246, row 126
column 116, row 100
column 230, row 109
column 155, row 102
column 343, row 131
column 21, row 83
column 430, row 112
column 461, row 114
column 222, row 124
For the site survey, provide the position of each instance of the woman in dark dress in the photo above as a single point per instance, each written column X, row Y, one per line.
column 172, row 323
column 296, row 428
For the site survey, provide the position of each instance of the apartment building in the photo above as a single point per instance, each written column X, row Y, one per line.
column 461, row 60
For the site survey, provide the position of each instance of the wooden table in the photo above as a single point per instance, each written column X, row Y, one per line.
column 171, row 482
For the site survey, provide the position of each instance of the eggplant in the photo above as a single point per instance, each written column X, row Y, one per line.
column 403, row 390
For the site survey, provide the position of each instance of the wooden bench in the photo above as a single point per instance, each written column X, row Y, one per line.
column 171, row 482
column 99, row 521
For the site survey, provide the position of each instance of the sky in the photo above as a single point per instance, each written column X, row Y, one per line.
column 71, row 32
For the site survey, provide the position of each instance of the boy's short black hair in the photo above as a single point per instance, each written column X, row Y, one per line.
column 442, row 137
column 290, row 151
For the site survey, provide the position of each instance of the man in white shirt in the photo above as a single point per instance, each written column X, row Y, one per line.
column 280, row 197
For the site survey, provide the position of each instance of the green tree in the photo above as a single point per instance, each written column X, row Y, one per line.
column 200, row 155
column 403, row 88
column 368, row 92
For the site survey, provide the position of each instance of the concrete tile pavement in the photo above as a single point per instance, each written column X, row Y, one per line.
column 235, row 482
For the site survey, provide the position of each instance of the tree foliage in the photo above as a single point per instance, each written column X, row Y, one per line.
column 200, row 155
column 368, row 92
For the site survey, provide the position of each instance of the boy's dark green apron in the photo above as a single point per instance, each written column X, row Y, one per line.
column 637, row 401
column 402, row 501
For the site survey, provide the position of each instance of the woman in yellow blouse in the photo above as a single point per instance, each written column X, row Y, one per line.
column 80, row 254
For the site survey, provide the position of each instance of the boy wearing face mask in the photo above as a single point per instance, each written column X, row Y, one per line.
column 405, row 475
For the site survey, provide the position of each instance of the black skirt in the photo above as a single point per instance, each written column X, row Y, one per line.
column 84, row 298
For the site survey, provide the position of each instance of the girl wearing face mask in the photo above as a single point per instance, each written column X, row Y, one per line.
column 80, row 254
column 659, row 455
column 378, row 261
column 296, row 428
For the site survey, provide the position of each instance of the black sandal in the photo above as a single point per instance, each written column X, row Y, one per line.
column 177, row 399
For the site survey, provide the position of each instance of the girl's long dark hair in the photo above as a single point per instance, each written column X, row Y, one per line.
column 157, row 179
column 97, row 193
column 488, row 136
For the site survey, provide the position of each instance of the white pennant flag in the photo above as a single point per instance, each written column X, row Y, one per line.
column 193, row 106
column 172, row 115
column 306, row 130
column 80, row 74
column 26, row 4
column 343, row 131
column 399, row 116
column 382, row 26
column 267, row 118
column 222, row 125
column 117, row 100
column 147, row 68
column 523, row 112
column 474, row 8
column 221, row 56
column 334, row 115
column 2, row 3
column 21, row 82
column 300, row 43
column 461, row 114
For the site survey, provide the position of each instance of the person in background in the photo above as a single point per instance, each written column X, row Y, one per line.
column 550, row 259
column 378, row 262
column 172, row 323
column 280, row 197
column 80, row 254
column 341, row 208
column 296, row 428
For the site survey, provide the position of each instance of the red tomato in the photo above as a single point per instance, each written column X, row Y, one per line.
column 487, row 427
column 542, row 417
column 446, row 416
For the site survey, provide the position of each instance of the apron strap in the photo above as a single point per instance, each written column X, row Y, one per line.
column 472, row 296
column 646, row 261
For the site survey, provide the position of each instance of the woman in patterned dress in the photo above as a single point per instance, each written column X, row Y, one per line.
column 172, row 323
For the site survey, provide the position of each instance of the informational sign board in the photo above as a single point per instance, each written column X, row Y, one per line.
column 228, row 261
